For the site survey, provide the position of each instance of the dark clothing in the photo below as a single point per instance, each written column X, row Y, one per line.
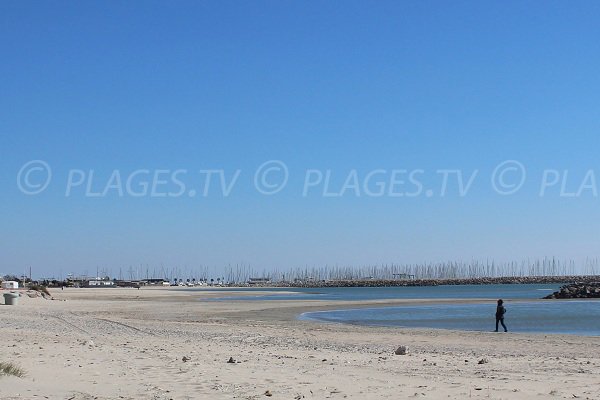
column 500, row 311
column 501, row 321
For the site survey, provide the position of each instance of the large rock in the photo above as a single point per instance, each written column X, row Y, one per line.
column 589, row 290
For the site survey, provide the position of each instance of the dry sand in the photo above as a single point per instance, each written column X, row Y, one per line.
column 130, row 344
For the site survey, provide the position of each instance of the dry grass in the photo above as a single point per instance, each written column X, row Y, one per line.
column 40, row 288
column 7, row 368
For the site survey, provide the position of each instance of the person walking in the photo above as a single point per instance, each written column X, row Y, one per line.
column 500, row 311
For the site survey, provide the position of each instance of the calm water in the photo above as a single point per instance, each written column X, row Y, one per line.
column 381, row 293
column 580, row 317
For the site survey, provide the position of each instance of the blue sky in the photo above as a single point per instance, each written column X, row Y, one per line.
column 359, row 86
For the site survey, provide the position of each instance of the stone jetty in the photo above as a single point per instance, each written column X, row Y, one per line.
column 429, row 282
column 579, row 290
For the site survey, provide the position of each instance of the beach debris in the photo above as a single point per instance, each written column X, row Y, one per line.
column 185, row 359
column 483, row 361
column 231, row 361
column 401, row 351
column 268, row 393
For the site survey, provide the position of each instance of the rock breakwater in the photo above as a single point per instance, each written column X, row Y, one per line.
column 430, row 282
column 579, row 290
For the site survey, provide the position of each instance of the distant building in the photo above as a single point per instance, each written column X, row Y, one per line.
column 154, row 281
column 10, row 285
column 305, row 279
column 98, row 283
column 404, row 276
column 259, row 281
column 87, row 281
column 125, row 283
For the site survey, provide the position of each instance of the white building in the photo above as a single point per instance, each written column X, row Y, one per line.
column 10, row 285
column 99, row 283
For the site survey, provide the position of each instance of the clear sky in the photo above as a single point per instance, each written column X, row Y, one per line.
column 324, row 87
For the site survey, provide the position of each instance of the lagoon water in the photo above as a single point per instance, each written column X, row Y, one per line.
column 580, row 317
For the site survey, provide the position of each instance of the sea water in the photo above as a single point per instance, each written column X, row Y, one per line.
column 525, row 312
column 513, row 291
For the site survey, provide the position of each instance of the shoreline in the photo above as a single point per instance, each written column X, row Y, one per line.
column 313, row 316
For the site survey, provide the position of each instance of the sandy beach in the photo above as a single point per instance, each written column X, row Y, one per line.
column 161, row 343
